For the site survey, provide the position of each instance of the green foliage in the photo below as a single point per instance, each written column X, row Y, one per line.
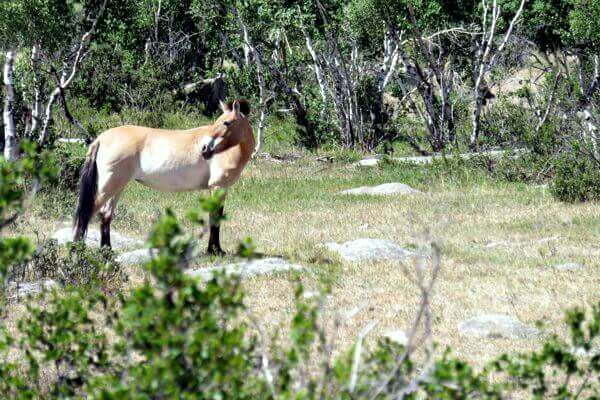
column 577, row 176
column 70, row 159
column 585, row 24
column 547, row 23
column 13, row 185
column 63, row 337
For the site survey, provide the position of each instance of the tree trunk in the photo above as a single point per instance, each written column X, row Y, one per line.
column 36, row 110
column 11, row 142
column 317, row 67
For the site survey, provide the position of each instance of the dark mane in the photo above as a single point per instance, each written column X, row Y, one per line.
column 244, row 106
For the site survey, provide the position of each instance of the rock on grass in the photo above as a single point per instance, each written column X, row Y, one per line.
column 135, row 257
column 118, row 241
column 385, row 189
column 489, row 326
column 369, row 250
column 570, row 266
column 247, row 268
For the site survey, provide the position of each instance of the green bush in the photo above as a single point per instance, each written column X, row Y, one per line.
column 70, row 159
column 577, row 177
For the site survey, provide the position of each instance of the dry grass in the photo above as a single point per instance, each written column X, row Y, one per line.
column 498, row 241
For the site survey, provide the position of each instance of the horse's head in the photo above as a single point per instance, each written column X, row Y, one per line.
column 228, row 129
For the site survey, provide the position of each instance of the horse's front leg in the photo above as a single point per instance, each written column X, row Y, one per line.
column 214, row 239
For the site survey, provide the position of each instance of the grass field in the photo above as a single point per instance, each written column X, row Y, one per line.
column 498, row 242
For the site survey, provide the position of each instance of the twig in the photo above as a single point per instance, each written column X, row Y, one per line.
column 357, row 352
column 543, row 119
column 65, row 79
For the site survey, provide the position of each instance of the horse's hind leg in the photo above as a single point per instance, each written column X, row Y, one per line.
column 107, row 212
column 110, row 188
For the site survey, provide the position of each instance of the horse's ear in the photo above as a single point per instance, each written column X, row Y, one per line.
column 244, row 106
column 224, row 107
column 236, row 107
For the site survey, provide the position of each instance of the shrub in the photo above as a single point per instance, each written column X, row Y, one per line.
column 577, row 177
column 70, row 159
column 78, row 265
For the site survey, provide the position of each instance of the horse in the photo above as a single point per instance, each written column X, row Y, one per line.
column 204, row 158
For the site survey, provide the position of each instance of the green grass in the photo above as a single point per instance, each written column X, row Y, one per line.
column 291, row 208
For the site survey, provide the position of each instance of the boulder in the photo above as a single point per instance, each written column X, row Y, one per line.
column 397, row 336
column 570, row 266
column 118, row 241
column 247, row 268
column 135, row 257
column 24, row 289
column 382, row 190
column 369, row 250
column 496, row 326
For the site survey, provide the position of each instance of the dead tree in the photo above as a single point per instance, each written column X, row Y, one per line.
column 435, row 84
column 11, row 142
column 586, row 105
column 250, row 52
column 486, row 58
column 66, row 77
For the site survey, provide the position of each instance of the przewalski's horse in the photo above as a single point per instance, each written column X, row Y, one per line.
column 208, row 157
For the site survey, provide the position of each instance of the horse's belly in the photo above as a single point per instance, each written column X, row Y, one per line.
column 176, row 180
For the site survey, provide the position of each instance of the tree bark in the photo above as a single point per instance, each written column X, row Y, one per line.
column 11, row 142
column 486, row 60
column 37, row 101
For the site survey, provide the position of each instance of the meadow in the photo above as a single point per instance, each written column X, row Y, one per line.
column 499, row 242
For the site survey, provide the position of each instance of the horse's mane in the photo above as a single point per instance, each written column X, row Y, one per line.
column 244, row 106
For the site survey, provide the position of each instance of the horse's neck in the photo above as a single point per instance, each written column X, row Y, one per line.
column 200, row 130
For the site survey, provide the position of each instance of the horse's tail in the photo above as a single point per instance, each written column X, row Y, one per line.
column 88, row 187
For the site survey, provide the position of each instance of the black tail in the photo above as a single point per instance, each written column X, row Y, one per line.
column 88, row 186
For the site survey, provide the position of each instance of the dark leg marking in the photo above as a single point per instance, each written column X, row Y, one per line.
column 105, row 232
column 214, row 241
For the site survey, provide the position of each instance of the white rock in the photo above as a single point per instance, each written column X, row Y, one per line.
column 71, row 140
column 246, row 269
column 353, row 312
column 118, row 241
column 496, row 326
column 369, row 250
column 135, row 257
column 24, row 289
column 398, row 336
column 568, row 266
column 373, row 161
column 368, row 162
column 382, row 190
column 581, row 352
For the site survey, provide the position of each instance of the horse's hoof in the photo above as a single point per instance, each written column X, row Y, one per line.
column 215, row 251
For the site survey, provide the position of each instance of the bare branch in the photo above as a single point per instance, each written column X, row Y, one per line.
column 66, row 79
column 550, row 104
column 260, row 76
column 357, row 353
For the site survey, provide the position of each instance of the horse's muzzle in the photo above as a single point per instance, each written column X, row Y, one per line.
column 207, row 151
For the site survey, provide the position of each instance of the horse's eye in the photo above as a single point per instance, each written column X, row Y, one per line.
column 227, row 123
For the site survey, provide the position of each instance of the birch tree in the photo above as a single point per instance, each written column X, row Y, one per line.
column 487, row 55
column 54, row 35
column 11, row 144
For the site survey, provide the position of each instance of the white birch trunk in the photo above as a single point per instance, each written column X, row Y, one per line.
column 67, row 77
column 11, row 142
column 488, row 59
column 252, row 53
column 37, row 101
column 316, row 67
